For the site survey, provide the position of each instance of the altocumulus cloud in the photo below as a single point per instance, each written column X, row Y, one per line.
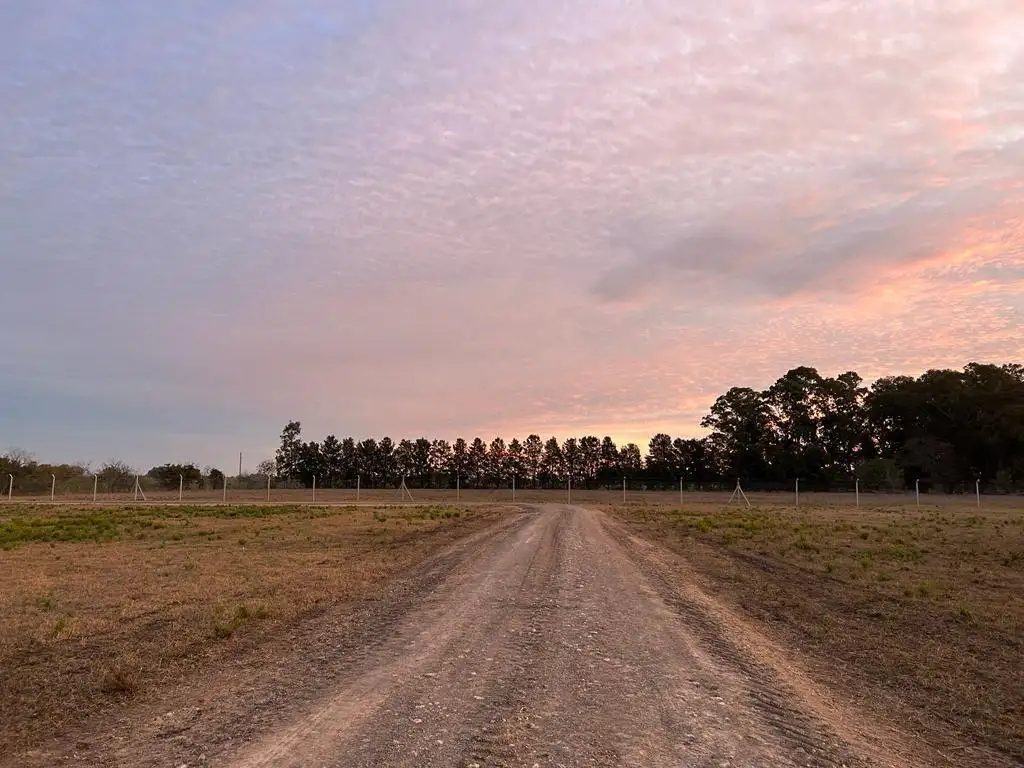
column 455, row 218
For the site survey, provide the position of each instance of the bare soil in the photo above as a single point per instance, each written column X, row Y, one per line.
column 554, row 637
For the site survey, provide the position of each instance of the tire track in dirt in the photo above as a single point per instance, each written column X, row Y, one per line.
column 789, row 700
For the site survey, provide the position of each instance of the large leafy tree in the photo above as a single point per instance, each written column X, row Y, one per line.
column 516, row 459
column 289, row 455
column 609, row 470
column 421, row 460
column 331, row 461
column 460, row 461
column 631, row 461
column 590, row 458
column 497, row 474
column 405, row 459
column 791, row 446
column 368, row 463
column 572, row 460
column 476, row 462
column 696, row 460
column 170, row 476
column 552, row 464
column 662, row 461
column 386, row 462
column 741, row 424
column 349, row 462
column 533, row 454
column 441, row 461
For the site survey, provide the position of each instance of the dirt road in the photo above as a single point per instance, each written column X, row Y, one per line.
column 551, row 640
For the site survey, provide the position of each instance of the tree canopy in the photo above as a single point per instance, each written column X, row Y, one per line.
column 944, row 429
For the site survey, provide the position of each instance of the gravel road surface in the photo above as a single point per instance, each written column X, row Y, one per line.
column 550, row 646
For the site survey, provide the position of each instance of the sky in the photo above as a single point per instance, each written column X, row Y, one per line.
column 464, row 217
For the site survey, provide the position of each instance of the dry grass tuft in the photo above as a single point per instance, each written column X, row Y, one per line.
column 122, row 678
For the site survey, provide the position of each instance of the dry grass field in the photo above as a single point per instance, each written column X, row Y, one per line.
column 917, row 613
column 103, row 605
column 914, row 613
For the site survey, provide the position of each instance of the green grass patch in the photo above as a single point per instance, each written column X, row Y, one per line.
column 27, row 524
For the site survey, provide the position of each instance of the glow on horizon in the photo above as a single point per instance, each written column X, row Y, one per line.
column 490, row 219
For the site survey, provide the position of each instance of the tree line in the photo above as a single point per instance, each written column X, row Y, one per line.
column 943, row 429
column 31, row 477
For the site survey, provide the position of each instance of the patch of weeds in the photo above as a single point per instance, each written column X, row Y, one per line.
column 225, row 624
column 925, row 589
column 46, row 601
column 964, row 614
column 61, row 626
column 78, row 527
column 804, row 545
column 120, row 679
column 704, row 524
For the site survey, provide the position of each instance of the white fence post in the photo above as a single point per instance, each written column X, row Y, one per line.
column 10, row 488
column 917, row 491
column 798, row 491
column 181, row 487
column 977, row 491
column 95, row 487
column 856, row 490
column 53, row 486
column 268, row 486
column 314, row 489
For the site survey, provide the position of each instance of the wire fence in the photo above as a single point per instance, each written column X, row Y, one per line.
column 254, row 490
